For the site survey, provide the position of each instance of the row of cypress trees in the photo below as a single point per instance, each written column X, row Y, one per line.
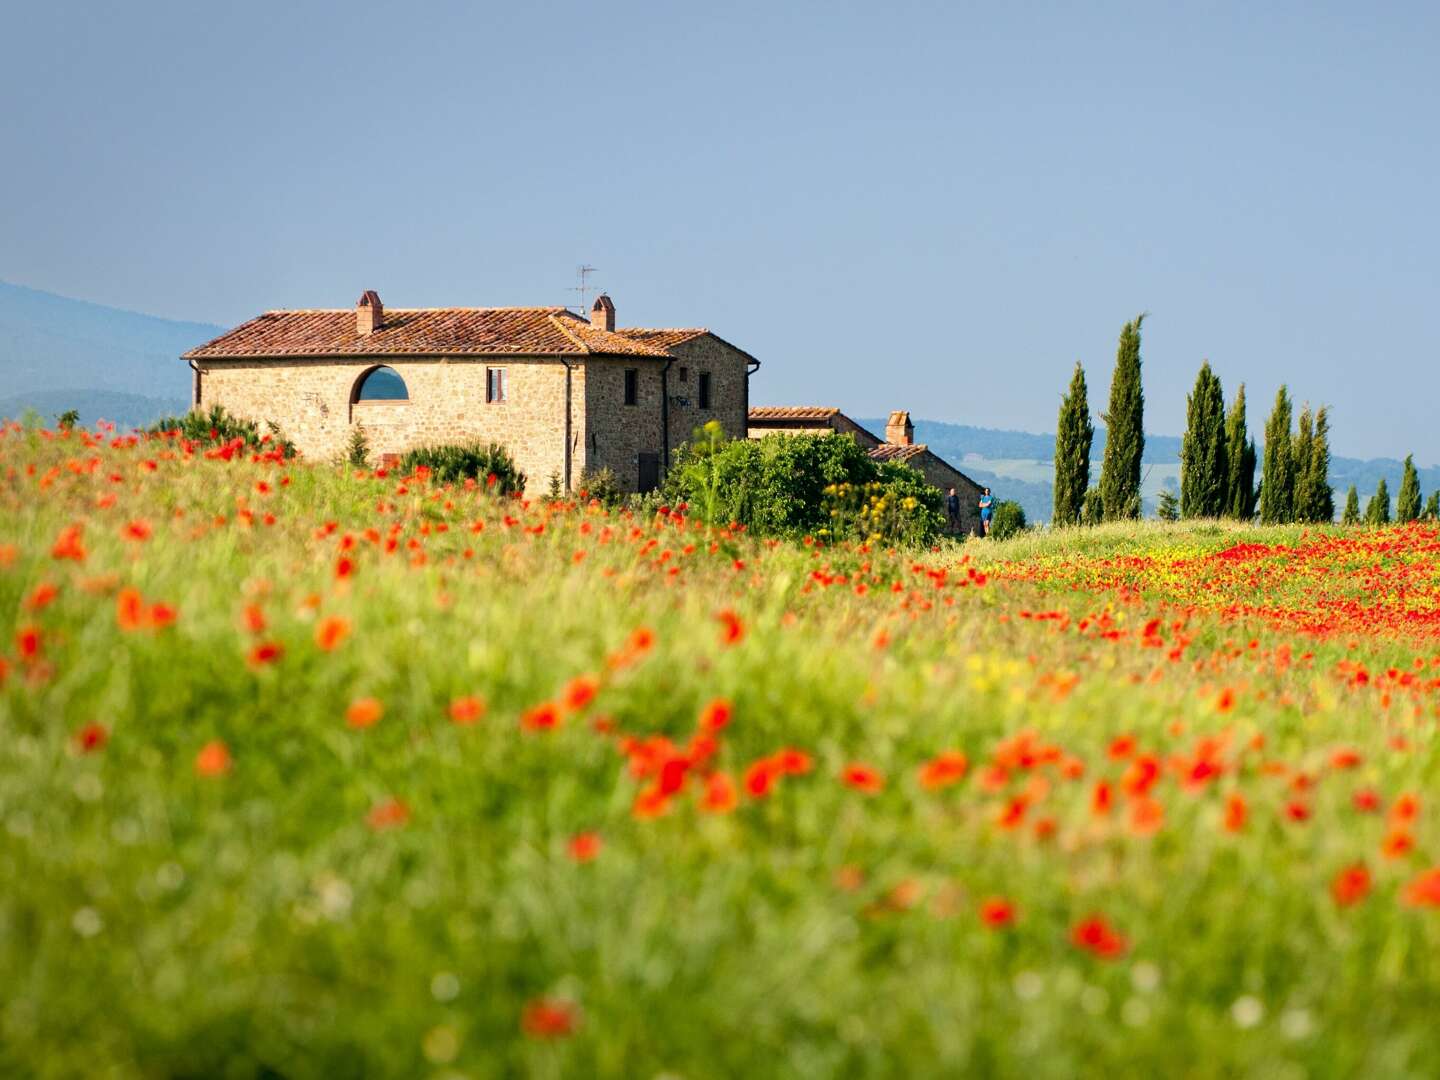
column 1408, row 505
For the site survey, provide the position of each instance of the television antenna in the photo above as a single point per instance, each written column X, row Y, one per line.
column 583, row 272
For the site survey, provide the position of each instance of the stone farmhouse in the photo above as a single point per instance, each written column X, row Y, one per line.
column 898, row 445
column 563, row 395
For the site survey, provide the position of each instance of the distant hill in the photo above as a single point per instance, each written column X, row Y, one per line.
column 57, row 353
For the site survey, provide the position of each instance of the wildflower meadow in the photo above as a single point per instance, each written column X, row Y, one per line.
column 309, row 771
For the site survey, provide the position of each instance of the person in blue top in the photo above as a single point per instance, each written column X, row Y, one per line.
column 987, row 507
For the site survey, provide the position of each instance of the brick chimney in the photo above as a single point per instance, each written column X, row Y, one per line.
column 369, row 313
column 602, row 313
column 899, row 430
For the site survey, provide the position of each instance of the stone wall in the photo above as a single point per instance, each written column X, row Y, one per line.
column 310, row 400
column 944, row 476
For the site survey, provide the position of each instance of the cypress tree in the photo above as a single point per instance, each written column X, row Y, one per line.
column 1074, row 434
column 1204, row 469
column 1302, row 446
column 1322, row 498
column 1432, row 507
column 1124, row 430
column 1240, row 456
column 1167, row 506
column 1407, row 503
column 1277, row 483
column 1351, row 516
column 1378, row 510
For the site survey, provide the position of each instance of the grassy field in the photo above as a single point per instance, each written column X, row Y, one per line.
column 312, row 774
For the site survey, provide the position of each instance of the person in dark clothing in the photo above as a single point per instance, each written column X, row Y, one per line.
column 952, row 507
column 987, row 509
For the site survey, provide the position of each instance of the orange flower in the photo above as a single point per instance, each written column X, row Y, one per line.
column 1225, row 700
column 733, row 630
column 584, row 846
column 1405, row 808
column 719, row 797
column 998, row 912
column 1344, row 758
column 716, row 714
column 41, row 596
column 213, row 759
column 1397, row 842
column 331, row 631
column 1122, row 747
column 1235, row 812
column 549, row 1018
column 130, row 613
column 254, row 619
column 69, row 545
column 1102, row 798
column 792, row 762
column 390, row 814
column 863, row 778
column 137, row 530
column 1146, row 816
column 1351, row 885
column 542, row 717
column 364, row 712
column 652, row 802
column 467, row 710
column 945, row 768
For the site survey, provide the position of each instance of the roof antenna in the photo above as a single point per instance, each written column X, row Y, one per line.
column 583, row 272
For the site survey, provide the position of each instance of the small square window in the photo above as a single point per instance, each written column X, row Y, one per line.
column 684, row 374
column 632, row 386
column 704, row 389
column 495, row 385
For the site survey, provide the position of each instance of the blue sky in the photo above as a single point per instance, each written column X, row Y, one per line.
column 939, row 207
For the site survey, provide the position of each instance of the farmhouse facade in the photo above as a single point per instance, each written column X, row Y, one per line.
column 899, row 445
column 564, row 395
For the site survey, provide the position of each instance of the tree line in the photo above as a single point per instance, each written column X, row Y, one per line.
column 1218, row 458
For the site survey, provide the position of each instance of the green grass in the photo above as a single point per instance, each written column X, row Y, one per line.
column 158, row 922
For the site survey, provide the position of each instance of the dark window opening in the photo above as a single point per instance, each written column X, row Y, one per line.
column 649, row 472
column 684, row 374
column 632, row 386
column 704, row 389
column 495, row 387
column 381, row 384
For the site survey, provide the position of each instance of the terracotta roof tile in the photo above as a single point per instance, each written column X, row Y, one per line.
column 896, row 452
column 662, row 339
column 793, row 412
column 543, row 331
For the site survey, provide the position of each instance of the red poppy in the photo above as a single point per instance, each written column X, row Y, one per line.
column 331, row 631
column 542, row 717
column 266, row 652
column 580, row 692
column 467, row 710
column 863, row 778
column 130, row 613
column 1398, row 841
column 998, row 912
column 1423, row 891
column 91, row 737
column 584, row 846
column 390, row 814
column 732, row 629
column 364, row 712
column 1351, row 885
column 213, row 759
column 792, row 762
column 1366, row 800
column 549, row 1018
column 760, row 777
column 719, row 796
column 945, row 768
column 41, row 596
column 69, row 545
column 716, row 714
column 1095, row 935
column 1235, row 812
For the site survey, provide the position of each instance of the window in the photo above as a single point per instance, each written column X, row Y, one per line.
column 495, row 385
column 704, row 389
column 632, row 386
column 684, row 374
column 381, row 384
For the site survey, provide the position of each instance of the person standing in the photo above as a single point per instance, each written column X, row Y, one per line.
column 952, row 508
column 987, row 508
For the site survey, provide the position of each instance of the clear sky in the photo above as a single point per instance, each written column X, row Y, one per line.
column 938, row 207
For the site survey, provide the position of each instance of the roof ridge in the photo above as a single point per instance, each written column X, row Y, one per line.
column 559, row 325
column 553, row 309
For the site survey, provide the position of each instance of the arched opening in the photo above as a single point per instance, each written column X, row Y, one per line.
column 379, row 384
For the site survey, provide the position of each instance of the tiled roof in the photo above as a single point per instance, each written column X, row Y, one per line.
column 660, row 339
column 793, row 412
column 544, row 331
column 896, row 452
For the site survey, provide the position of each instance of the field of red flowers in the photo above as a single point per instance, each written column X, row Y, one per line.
column 308, row 772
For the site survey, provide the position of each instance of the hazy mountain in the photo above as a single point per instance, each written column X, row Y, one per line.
column 58, row 354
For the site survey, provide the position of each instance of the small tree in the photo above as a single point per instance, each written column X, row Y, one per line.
column 1351, row 515
column 357, row 450
column 1277, row 484
column 1007, row 520
column 1432, row 507
column 1204, row 470
column 67, row 420
column 1167, row 506
column 1407, row 503
column 1240, row 457
column 1124, row 430
column 1378, row 510
column 1074, row 436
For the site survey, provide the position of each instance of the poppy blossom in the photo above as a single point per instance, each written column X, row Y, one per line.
column 1423, row 891
column 213, row 759
column 467, row 710
column 719, row 796
column 1235, row 812
column 364, row 712
column 946, row 768
column 130, row 611
column 863, row 778
column 760, row 777
column 390, row 814
column 716, row 714
column 266, row 652
column 998, row 912
column 549, row 1018
column 542, row 717
column 792, row 762
column 331, row 631
column 1095, row 935
column 580, row 692
column 732, row 629
column 41, row 596
column 1351, row 885
column 584, row 846
column 91, row 737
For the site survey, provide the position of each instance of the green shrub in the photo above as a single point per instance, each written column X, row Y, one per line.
column 1008, row 520
column 220, row 427
column 454, row 462
column 791, row 485
column 601, row 485
column 357, row 451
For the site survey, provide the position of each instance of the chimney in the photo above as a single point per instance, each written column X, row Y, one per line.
column 369, row 313
column 602, row 313
column 899, row 430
